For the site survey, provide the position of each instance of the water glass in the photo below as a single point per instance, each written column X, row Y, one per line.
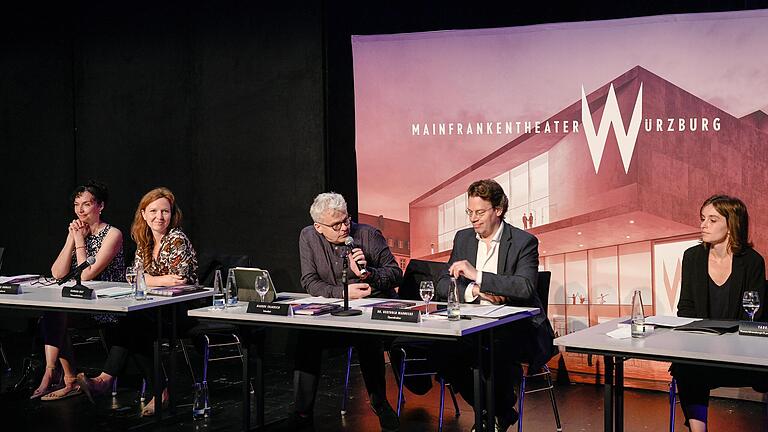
column 426, row 291
column 262, row 286
column 130, row 277
column 751, row 303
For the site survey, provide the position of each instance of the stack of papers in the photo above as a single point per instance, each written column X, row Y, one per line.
column 114, row 292
column 669, row 321
column 17, row 279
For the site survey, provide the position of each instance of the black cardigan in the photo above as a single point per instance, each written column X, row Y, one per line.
column 747, row 274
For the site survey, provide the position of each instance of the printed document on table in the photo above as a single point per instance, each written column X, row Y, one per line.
column 669, row 321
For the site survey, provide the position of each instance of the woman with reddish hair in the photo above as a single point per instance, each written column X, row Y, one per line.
column 167, row 258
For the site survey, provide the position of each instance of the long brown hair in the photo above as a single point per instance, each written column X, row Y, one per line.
column 737, row 219
column 140, row 231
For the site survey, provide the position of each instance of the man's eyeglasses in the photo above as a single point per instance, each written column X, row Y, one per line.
column 337, row 226
column 478, row 213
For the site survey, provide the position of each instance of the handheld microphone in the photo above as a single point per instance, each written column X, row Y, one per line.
column 77, row 270
column 350, row 242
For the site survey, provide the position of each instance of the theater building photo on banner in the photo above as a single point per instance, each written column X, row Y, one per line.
column 610, row 182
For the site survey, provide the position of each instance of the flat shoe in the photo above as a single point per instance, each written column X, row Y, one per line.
column 54, row 384
column 63, row 393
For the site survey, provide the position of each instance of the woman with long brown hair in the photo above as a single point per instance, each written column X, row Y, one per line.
column 167, row 258
column 716, row 273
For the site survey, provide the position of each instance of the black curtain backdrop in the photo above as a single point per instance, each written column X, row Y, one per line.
column 244, row 110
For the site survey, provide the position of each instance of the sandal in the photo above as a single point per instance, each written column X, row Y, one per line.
column 92, row 387
column 149, row 410
column 54, row 383
column 71, row 388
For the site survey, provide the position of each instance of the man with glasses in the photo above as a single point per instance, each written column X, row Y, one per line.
column 495, row 263
column 322, row 251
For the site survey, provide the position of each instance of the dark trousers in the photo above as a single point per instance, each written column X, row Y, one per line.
column 132, row 339
column 455, row 362
column 695, row 382
column 308, row 355
column 54, row 329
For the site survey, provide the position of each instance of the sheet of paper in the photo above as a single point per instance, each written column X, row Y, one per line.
column 623, row 332
column 669, row 321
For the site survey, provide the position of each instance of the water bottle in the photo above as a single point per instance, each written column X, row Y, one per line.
column 200, row 406
column 638, row 317
column 218, row 291
column 454, row 312
column 141, row 285
column 231, row 291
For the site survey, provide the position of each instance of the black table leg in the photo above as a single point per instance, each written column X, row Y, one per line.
column 158, row 390
column 619, row 396
column 478, row 385
column 246, row 426
column 172, row 340
column 608, row 401
column 490, row 394
column 259, row 388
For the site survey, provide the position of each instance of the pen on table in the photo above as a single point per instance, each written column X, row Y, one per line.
column 466, row 317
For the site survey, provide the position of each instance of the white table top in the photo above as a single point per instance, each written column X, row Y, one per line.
column 433, row 327
column 667, row 345
column 42, row 297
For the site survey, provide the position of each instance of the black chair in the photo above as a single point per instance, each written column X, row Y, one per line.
column 215, row 336
column 412, row 355
column 542, row 289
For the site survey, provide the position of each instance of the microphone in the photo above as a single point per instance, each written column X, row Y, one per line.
column 350, row 242
column 77, row 270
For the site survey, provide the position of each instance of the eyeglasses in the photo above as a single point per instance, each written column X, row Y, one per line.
column 337, row 225
column 478, row 213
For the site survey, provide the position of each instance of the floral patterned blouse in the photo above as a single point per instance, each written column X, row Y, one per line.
column 177, row 256
column 115, row 271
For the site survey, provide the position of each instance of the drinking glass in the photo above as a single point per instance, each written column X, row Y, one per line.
column 262, row 286
column 426, row 291
column 751, row 303
column 130, row 276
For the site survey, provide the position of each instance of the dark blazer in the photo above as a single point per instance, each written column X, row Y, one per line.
column 515, row 279
column 747, row 274
column 321, row 267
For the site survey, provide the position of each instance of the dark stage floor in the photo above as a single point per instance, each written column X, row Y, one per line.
column 580, row 405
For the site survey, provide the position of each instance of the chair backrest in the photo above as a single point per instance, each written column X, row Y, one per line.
column 416, row 272
column 208, row 263
column 542, row 288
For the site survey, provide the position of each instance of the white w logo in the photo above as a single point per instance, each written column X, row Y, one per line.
column 612, row 117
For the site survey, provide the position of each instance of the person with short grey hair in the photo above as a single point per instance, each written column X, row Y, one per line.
column 327, row 201
column 322, row 252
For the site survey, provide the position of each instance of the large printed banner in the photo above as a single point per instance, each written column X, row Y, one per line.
column 607, row 136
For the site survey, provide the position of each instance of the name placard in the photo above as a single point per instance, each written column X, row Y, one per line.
column 755, row 328
column 281, row 309
column 10, row 289
column 79, row 291
column 395, row 314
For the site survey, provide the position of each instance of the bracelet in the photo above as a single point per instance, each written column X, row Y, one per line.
column 79, row 247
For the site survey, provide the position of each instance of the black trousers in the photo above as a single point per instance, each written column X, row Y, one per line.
column 54, row 329
column 455, row 361
column 132, row 339
column 308, row 359
column 695, row 382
